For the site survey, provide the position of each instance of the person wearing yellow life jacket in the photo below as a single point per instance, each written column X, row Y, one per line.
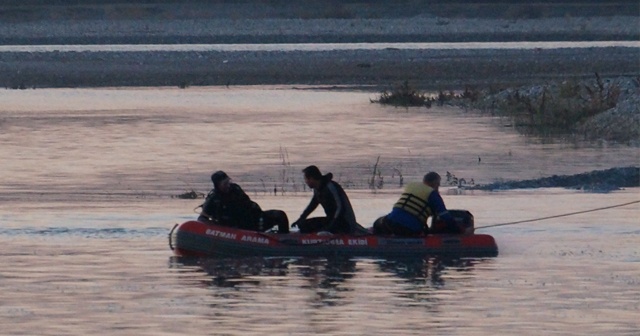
column 418, row 202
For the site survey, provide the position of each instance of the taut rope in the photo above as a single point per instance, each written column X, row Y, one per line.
column 556, row 216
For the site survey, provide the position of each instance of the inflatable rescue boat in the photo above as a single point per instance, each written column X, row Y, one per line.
column 199, row 239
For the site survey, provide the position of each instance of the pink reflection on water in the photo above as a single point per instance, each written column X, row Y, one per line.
column 91, row 172
column 163, row 141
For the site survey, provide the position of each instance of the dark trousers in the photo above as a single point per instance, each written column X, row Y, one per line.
column 385, row 226
column 275, row 217
column 270, row 218
column 313, row 224
column 316, row 224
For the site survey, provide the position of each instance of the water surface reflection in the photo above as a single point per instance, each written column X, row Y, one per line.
column 327, row 278
column 85, row 212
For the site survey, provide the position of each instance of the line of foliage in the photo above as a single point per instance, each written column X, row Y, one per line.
column 406, row 96
column 402, row 95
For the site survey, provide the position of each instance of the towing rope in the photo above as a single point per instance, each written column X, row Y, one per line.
column 556, row 216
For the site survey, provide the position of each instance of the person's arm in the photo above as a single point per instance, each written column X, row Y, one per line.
column 210, row 208
column 437, row 204
column 313, row 204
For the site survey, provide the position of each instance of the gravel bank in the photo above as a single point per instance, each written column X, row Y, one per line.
column 374, row 69
column 275, row 30
column 167, row 22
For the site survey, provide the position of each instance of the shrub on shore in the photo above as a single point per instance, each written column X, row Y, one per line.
column 562, row 109
column 191, row 194
column 592, row 109
column 558, row 108
column 404, row 95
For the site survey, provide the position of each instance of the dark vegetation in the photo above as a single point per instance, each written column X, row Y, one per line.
column 191, row 194
column 376, row 181
column 403, row 95
column 406, row 96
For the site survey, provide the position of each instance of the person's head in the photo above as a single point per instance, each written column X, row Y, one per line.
column 432, row 179
column 312, row 176
column 221, row 181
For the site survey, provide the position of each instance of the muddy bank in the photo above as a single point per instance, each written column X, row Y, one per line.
column 594, row 181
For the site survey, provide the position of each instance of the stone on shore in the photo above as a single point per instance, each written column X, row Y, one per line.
column 590, row 109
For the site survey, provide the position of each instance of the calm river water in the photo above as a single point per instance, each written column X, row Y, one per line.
column 87, row 179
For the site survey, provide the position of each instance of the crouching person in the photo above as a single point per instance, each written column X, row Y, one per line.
column 227, row 204
column 340, row 217
column 418, row 202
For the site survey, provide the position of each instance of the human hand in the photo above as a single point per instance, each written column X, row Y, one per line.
column 297, row 223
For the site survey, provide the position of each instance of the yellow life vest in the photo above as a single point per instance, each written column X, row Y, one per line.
column 414, row 200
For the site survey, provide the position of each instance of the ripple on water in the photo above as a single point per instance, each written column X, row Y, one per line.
column 86, row 214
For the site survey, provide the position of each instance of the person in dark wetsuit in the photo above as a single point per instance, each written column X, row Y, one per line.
column 340, row 217
column 227, row 204
column 418, row 202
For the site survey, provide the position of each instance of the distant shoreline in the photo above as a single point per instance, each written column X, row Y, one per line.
column 366, row 69
column 269, row 22
column 321, row 38
column 278, row 30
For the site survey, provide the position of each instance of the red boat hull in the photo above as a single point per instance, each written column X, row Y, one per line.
column 194, row 238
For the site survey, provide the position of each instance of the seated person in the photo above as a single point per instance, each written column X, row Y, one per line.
column 418, row 202
column 227, row 204
column 339, row 218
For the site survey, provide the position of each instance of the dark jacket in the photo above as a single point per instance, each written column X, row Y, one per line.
column 336, row 205
column 234, row 208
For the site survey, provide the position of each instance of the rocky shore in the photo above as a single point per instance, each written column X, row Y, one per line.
column 602, row 109
column 595, row 181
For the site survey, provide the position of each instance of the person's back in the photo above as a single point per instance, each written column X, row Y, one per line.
column 418, row 202
column 412, row 208
column 232, row 207
column 336, row 204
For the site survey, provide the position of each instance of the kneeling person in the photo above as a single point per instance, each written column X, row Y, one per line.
column 418, row 202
